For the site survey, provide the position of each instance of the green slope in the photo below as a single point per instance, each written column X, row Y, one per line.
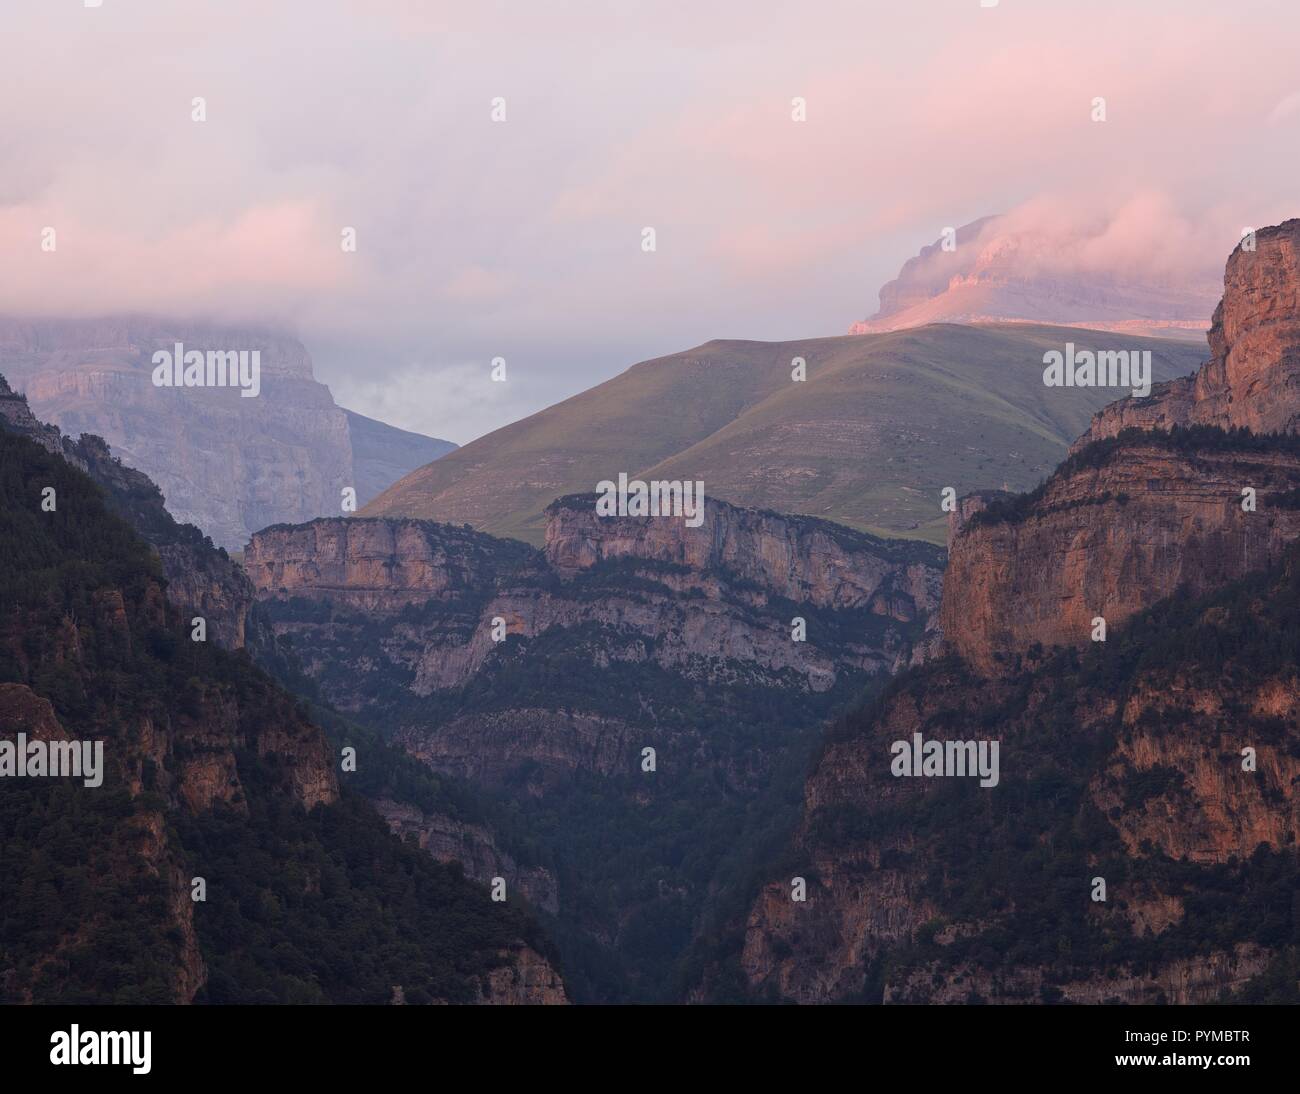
column 881, row 424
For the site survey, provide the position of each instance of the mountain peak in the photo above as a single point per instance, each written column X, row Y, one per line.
column 1004, row 269
column 1252, row 379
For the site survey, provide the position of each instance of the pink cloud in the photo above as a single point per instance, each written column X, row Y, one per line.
column 202, row 266
column 374, row 113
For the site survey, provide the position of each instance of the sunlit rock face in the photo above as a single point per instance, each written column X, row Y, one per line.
column 1007, row 269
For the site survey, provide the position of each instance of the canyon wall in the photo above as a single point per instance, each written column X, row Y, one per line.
column 930, row 890
column 801, row 559
column 211, row 773
column 546, row 677
column 1109, row 537
column 1252, row 379
column 1147, row 791
column 1146, row 503
column 719, row 591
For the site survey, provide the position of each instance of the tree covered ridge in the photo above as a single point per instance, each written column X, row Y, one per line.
column 1185, row 440
column 319, row 906
column 1009, row 869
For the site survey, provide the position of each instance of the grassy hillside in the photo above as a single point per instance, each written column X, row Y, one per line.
column 881, row 424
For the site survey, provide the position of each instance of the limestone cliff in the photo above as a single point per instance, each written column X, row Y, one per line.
column 635, row 684
column 800, row 559
column 1116, row 528
column 1252, row 379
column 1147, row 798
column 1156, row 495
column 227, row 463
column 720, row 590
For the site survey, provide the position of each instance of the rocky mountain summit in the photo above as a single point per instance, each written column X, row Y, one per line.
column 1252, row 379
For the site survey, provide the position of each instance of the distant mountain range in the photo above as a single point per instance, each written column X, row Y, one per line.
column 382, row 453
column 881, row 424
column 992, row 270
column 229, row 464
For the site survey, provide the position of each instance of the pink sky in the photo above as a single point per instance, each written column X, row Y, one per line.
column 522, row 239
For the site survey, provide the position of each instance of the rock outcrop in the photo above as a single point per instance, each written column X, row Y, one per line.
column 17, row 417
column 474, row 847
column 1147, row 782
column 1252, row 379
column 378, row 566
column 1160, row 493
column 524, row 978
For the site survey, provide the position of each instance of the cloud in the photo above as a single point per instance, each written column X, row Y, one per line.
column 475, row 235
column 230, row 268
column 1144, row 239
column 1286, row 109
column 454, row 402
column 477, row 283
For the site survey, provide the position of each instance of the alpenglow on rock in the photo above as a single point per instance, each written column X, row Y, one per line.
column 1001, row 270
column 1151, row 501
column 1252, row 378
